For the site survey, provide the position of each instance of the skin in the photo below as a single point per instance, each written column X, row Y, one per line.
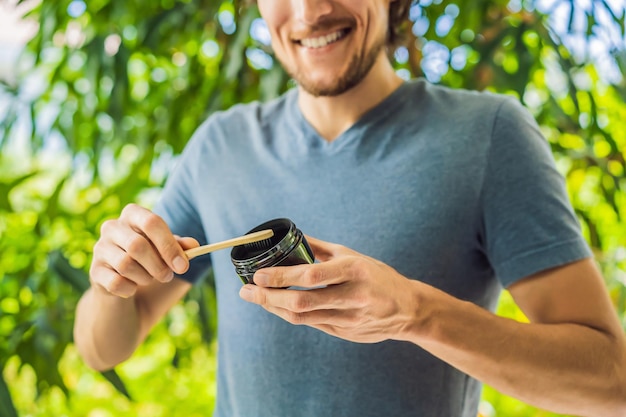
column 335, row 68
column 337, row 65
column 570, row 358
column 574, row 343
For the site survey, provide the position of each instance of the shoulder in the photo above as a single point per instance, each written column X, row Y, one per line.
column 234, row 128
column 472, row 101
column 247, row 115
column 456, row 111
column 462, row 103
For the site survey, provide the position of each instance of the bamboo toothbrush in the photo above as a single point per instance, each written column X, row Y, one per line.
column 237, row 241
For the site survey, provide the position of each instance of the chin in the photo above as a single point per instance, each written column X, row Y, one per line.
column 330, row 84
column 336, row 87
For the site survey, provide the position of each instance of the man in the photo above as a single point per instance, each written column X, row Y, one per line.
column 436, row 199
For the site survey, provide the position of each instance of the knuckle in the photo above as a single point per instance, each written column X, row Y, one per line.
column 312, row 277
column 107, row 226
column 114, row 285
column 124, row 264
column 301, row 302
column 128, row 209
column 338, row 248
column 358, row 267
column 358, row 264
column 126, row 213
column 125, row 290
column 163, row 275
column 294, row 317
column 96, row 274
column 136, row 245
column 151, row 221
column 97, row 248
column 117, row 286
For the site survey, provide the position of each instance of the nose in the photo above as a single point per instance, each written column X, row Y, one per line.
column 311, row 11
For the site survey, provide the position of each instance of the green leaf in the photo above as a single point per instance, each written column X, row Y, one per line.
column 117, row 382
column 236, row 50
column 77, row 278
column 191, row 68
column 7, row 409
column 7, row 186
column 204, row 296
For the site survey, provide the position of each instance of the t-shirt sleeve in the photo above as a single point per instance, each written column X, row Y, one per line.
column 177, row 206
column 528, row 222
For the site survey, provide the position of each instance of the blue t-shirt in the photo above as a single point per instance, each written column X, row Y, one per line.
column 457, row 189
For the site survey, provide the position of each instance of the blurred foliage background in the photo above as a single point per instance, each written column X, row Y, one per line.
column 107, row 93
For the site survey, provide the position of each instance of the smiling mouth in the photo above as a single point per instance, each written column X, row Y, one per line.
column 322, row 41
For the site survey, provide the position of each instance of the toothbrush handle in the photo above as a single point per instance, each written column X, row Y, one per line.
column 237, row 241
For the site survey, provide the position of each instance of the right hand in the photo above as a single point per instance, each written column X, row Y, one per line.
column 137, row 249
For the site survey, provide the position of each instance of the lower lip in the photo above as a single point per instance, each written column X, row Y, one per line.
column 324, row 50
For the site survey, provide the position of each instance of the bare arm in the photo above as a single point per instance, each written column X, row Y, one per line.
column 570, row 359
column 132, row 286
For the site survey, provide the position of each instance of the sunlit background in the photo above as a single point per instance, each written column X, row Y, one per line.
column 98, row 98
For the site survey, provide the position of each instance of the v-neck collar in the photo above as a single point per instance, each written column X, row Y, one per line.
column 311, row 139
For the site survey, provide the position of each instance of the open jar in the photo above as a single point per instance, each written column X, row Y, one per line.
column 287, row 247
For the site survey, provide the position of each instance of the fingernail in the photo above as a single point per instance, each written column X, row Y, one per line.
column 261, row 278
column 180, row 265
column 246, row 292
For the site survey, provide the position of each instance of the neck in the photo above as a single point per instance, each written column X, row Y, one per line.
column 331, row 116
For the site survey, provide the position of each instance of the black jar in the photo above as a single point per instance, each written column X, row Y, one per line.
column 287, row 247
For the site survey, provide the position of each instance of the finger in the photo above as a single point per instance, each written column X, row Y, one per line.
column 158, row 233
column 113, row 283
column 299, row 301
column 187, row 242
column 306, row 275
column 134, row 249
column 310, row 318
column 325, row 251
column 112, row 257
column 331, row 318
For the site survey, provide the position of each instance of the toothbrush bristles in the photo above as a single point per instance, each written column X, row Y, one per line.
column 260, row 244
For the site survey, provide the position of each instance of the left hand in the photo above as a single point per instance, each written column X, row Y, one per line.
column 360, row 299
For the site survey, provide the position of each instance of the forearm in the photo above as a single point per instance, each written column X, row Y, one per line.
column 574, row 363
column 107, row 328
column 568, row 368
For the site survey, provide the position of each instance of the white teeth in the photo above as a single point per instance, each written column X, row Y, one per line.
column 321, row 41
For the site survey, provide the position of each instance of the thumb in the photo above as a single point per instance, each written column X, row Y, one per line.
column 187, row 242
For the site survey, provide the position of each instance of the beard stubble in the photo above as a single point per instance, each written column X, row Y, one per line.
column 360, row 65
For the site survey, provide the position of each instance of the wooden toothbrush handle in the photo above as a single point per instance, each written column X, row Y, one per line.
column 237, row 241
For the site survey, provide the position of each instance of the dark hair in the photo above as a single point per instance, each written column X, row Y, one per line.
column 398, row 18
